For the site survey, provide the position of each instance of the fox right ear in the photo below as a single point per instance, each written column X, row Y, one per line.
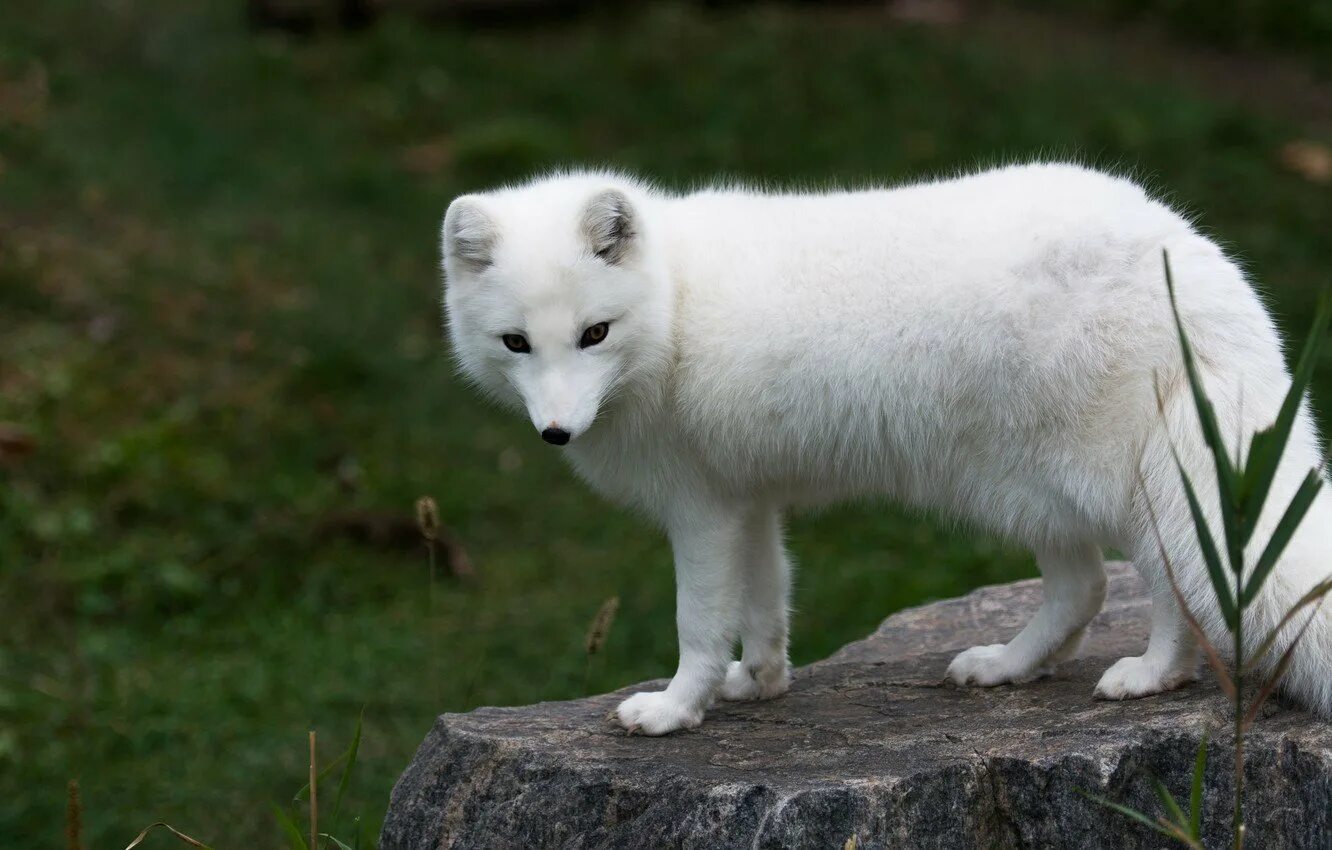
column 469, row 235
column 610, row 226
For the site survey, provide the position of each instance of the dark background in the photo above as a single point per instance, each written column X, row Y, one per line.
column 222, row 385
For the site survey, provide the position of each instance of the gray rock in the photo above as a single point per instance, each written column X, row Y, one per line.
column 871, row 743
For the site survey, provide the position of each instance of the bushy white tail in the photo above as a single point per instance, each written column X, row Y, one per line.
column 1307, row 561
column 1164, row 525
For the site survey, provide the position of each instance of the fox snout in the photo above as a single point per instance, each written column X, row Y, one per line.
column 562, row 405
column 562, row 426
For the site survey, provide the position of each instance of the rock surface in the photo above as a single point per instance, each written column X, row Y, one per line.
column 870, row 743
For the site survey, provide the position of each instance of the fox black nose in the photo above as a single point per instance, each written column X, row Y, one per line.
column 555, row 436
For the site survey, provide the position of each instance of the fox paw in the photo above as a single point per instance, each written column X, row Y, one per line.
column 656, row 714
column 992, row 665
column 1130, row 678
column 745, row 683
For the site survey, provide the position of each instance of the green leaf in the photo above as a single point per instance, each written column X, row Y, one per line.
column 1227, row 481
column 1220, row 585
column 1128, row 812
column 1196, row 792
column 1176, row 814
column 1290, row 521
column 1269, row 444
column 350, row 756
column 1265, row 450
column 341, row 845
column 292, row 831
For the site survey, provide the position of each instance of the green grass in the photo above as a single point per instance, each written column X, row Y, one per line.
column 1304, row 26
column 219, row 321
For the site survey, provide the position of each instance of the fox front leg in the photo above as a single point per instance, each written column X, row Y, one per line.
column 708, row 543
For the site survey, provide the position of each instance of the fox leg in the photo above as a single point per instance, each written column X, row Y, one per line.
column 763, row 670
column 1171, row 658
column 709, row 541
column 1073, row 584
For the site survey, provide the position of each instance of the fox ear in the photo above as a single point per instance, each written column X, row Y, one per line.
column 611, row 226
column 469, row 235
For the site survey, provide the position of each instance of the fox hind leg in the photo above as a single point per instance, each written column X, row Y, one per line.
column 1073, row 585
column 1172, row 652
column 762, row 671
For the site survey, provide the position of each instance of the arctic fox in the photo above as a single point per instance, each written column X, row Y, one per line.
column 990, row 347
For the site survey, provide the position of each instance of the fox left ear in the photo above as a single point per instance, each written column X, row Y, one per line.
column 611, row 226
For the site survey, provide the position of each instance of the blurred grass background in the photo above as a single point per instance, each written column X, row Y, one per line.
column 222, row 385
column 1301, row 26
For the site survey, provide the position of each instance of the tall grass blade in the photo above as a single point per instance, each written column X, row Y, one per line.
column 1227, row 480
column 1286, row 657
column 347, row 770
column 324, row 772
column 193, row 842
column 290, row 829
column 1239, row 439
column 1196, row 792
column 1269, row 444
column 73, row 817
column 1264, row 454
column 314, row 795
column 1316, row 593
column 1175, row 813
column 1136, row 815
column 1281, row 535
column 1213, row 657
column 1220, row 584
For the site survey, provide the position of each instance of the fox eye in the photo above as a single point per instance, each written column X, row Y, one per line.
column 594, row 335
column 516, row 343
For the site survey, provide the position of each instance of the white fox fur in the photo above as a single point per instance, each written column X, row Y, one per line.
column 985, row 347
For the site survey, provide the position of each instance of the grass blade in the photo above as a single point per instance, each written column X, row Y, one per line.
column 1196, row 792
column 1259, row 470
column 1213, row 657
column 341, row 845
column 1275, row 678
column 1290, row 521
column 290, row 829
column 1130, row 813
column 314, row 795
column 1269, row 444
column 193, row 842
column 1227, row 481
column 1176, row 814
column 1207, row 546
column 347, row 770
column 73, row 817
column 1316, row 593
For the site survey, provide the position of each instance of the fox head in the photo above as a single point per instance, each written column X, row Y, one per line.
column 554, row 302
